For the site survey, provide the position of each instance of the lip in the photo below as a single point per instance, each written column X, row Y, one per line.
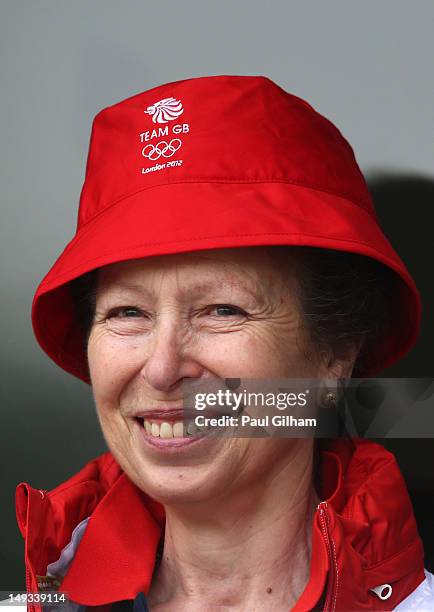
column 172, row 415
column 172, row 445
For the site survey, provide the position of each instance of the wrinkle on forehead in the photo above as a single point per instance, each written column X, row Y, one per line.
column 256, row 270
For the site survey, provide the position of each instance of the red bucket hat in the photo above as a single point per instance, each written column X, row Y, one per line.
column 215, row 162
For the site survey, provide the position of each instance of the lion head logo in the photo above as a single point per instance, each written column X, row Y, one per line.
column 165, row 110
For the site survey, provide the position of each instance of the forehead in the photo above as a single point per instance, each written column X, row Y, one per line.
column 232, row 265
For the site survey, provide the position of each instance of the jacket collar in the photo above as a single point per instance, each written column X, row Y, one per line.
column 364, row 532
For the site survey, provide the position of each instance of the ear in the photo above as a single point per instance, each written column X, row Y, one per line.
column 340, row 364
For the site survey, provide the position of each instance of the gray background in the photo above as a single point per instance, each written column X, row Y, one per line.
column 367, row 65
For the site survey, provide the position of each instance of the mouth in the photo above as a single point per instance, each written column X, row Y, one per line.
column 177, row 423
column 172, row 437
column 170, row 430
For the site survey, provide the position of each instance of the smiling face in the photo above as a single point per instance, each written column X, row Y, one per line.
column 213, row 314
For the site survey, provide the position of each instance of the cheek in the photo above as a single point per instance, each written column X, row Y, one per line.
column 112, row 363
column 226, row 354
column 254, row 352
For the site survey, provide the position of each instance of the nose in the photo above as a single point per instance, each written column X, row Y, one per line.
column 168, row 361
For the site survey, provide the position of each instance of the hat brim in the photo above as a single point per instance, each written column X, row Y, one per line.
column 169, row 219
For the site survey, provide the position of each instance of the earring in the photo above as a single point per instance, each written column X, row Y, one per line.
column 330, row 399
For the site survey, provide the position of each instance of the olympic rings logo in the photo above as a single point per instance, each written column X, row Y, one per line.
column 161, row 149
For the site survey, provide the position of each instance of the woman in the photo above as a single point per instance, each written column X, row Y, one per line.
column 224, row 230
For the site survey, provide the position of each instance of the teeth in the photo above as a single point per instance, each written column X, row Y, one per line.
column 178, row 430
column 171, row 430
column 164, row 430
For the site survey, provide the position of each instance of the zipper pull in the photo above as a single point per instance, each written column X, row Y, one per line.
column 383, row 591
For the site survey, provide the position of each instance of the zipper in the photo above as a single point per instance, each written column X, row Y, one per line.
column 332, row 587
column 30, row 606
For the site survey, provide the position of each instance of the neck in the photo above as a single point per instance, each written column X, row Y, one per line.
column 244, row 549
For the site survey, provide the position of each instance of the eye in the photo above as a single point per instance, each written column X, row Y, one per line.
column 125, row 312
column 225, row 310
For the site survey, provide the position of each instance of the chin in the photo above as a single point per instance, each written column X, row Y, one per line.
column 172, row 486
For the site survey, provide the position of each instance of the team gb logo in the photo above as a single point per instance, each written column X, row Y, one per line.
column 165, row 110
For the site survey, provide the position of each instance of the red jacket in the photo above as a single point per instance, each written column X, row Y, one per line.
column 364, row 534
